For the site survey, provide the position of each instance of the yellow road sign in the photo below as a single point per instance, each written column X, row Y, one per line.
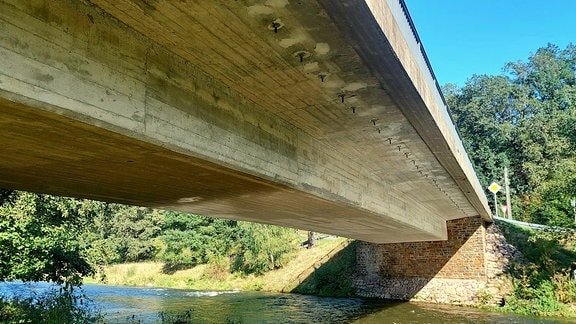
column 494, row 187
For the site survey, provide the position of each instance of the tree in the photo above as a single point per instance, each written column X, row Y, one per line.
column 263, row 247
column 121, row 233
column 38, row 236
column 311, row 240
column 524, row 120
column 188, row 240
column 133, row 230
column 479, row 111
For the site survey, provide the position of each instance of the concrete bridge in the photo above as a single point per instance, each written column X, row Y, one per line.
column 320, row 115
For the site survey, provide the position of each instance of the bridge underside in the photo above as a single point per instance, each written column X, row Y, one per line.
column 54, row 154
column 295, row 114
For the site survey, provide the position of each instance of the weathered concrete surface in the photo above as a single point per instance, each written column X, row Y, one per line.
column 267, row 111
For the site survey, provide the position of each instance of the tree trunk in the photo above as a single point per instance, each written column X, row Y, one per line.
column 311, row 240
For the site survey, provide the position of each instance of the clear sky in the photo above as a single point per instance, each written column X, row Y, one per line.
column 467, row 37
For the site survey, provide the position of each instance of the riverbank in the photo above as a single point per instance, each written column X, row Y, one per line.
column 169, row 306
column 217, row 277
column 541, row 278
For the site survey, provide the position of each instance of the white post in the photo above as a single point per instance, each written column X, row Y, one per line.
column 495, row 205
column 507, row 188
column 494, row 188
column 573, row 203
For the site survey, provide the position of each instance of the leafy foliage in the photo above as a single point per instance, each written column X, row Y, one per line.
column 38, row 235
column 543, row 283
column 53, row 306
column 188, row 240
column 132, row 230
column 525, row 120
column 263, row 247
column 47, row 238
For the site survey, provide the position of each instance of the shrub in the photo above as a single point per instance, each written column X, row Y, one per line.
column 542, row 284
column 263, row 248
column 564, row 287
column 53, row 306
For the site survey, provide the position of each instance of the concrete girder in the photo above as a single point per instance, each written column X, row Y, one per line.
column 163, row 104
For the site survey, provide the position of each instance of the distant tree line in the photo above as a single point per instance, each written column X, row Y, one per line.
column 49, row 238
column 525, row 119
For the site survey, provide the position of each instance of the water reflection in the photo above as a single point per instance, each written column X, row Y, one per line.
column 122, row 303
column 441, row 314
column 143, row 305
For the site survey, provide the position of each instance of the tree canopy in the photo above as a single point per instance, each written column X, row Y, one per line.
column 38, row 238
column 525, row 120
column 58, row 239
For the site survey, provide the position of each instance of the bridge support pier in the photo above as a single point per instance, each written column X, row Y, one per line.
column 454, row 271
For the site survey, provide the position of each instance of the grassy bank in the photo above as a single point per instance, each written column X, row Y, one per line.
column 218, row 277
column 543, row 284
column 332, row 277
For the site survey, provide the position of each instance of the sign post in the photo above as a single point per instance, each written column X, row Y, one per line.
column 573, row 204
column 494, row 188
column 508, row 211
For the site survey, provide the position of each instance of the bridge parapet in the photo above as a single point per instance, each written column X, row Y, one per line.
column 401, row 65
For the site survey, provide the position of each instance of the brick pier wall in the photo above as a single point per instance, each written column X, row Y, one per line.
column 453, row 271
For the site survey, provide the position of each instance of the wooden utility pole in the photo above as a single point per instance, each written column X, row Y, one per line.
column 507, row 188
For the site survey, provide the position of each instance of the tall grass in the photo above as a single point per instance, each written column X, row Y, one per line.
column 543, row 283
column 216, row 275
column 334, row 277
column 53, row 306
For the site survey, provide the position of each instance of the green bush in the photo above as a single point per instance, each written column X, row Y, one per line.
column 564, row 287
column 263, row 248
column 63, row 306
column 39, row 239
column 542, row 284
column 537, row 301
column 188, row 240
column 176, row 317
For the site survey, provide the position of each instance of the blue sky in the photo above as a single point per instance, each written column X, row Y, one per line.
column 466, row 37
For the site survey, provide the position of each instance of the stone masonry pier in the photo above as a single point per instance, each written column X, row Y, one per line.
column 468, row 268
